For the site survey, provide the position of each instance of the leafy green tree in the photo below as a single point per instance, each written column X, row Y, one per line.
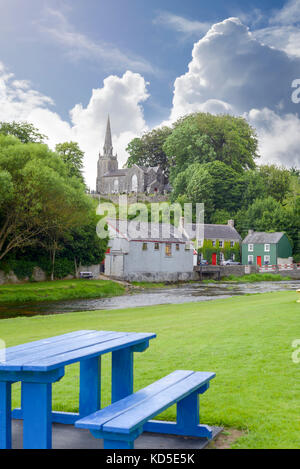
column 203, row 137
column 276, row 180
column 264, row 215
column 72, row 157
column 83, row 246
column 42, row 200
column 148, row 150
column 24, row 131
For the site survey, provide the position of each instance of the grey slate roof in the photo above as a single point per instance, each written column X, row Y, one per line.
column 143, row 231
column 225, row 232
column 263, row 238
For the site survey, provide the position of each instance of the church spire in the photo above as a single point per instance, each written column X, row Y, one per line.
column 108, row 148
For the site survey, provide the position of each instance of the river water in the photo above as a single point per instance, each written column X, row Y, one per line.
column 187, row 293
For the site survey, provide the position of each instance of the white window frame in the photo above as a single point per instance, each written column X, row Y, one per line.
column 267, row 259
column 250, row 258
column 251, row 247
column 232, row 244
column 267, row 247
column 221, row 244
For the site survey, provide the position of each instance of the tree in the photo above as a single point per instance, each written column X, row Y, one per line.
column 42, row 201
column 72, row 157
column 203, row 137
column 276, row 180
column 264, row 215
column 195, row 185
column 148, row 150
column 24, row 131
column 83, row 246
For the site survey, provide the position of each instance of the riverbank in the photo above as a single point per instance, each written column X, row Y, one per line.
column 58, row 290
column 246, row 340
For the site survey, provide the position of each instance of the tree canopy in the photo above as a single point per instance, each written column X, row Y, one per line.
column 24, row 131
column 148, row 150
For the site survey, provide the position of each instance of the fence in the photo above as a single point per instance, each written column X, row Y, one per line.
column 279, row 267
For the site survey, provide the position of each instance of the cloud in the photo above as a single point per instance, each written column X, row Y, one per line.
column 282, row 30
column 230, row 66
column 121, row 97
column 288, row 14
column 181, row 24
column 232, row 72
column 279, row 137
column 78, row 46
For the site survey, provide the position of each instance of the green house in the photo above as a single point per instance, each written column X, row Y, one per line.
column 266, row 249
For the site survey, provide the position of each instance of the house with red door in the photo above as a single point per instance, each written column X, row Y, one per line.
column 215, row 243
column 260, row 248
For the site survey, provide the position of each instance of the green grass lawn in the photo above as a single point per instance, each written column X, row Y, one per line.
column 246, row 340
column 58, row 290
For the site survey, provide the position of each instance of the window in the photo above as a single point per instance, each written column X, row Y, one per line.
column 213, row 243
column 168, row 250
column 145, row 246
column 232, row 244
column 250, row 260
column 156, row 246
column 267, row 260
column 267, row 247
column 116, row 185
column 134, row 183
column 177, row 247
column 220, row 244
column 250, row 247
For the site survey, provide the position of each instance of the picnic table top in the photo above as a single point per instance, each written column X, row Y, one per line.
column 54, row 352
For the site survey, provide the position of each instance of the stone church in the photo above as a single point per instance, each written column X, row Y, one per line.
column 138, row 179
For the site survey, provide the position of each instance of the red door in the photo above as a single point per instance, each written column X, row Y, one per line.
column 214, row 259
column 258, row 261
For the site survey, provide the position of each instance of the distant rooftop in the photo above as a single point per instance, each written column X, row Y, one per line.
column 263, row 238
column 143, row 231
column 226, row 232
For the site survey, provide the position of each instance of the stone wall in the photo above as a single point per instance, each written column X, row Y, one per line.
column 134, row 198
column 40, row 276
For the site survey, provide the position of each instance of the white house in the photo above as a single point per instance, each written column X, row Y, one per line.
column 151, row 252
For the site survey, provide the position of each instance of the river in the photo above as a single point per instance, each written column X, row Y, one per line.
column 186, row 293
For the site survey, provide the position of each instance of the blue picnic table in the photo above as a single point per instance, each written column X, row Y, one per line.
column 39, row 364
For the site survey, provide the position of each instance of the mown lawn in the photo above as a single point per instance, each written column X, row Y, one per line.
column 246, row 340
column 58, row 290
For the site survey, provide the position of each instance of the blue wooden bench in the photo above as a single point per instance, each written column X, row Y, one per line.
column 123, row 421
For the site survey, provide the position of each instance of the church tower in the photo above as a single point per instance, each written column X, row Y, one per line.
column 107, row 163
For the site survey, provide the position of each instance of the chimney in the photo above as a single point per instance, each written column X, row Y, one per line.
column 250, row 232
column 231, row 223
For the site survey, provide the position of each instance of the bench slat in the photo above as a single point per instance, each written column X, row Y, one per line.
column 67, row 358
column 52, row 348
column 98, row 419
column 142, row 412
column 57, row 348
column 10, row 351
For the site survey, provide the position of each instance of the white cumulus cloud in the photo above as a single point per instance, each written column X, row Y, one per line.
column 231, row 71
column 121, row 97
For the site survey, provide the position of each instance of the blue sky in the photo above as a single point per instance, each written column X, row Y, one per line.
column 137, row 57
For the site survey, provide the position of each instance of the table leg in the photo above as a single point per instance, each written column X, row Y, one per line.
column 122, row 374
column 90, row 386
column 37, row 421
column 5, row 415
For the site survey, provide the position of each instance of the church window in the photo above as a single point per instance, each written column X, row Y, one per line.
column 134, row 183
column 116, row 185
